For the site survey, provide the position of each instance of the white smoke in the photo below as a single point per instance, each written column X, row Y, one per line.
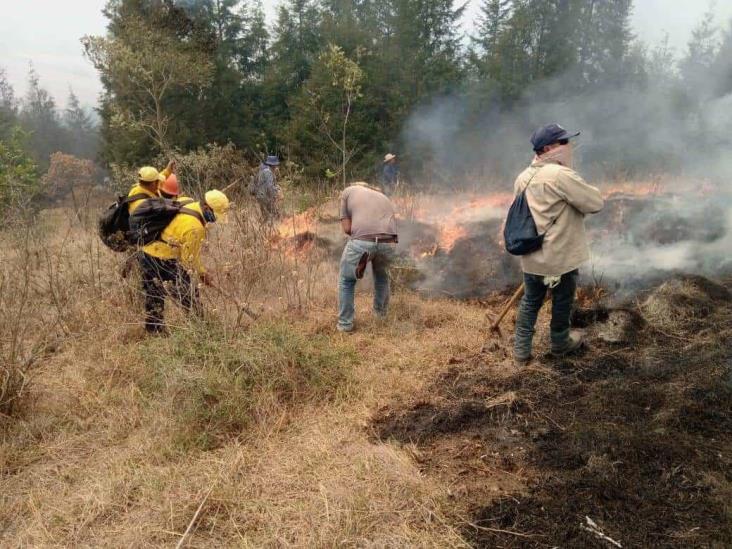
column 661, row 131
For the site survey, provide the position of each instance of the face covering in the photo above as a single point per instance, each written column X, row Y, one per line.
column 563, row 154
column 209, row 216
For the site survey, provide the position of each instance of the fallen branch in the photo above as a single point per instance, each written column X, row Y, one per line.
column 501, row 531
column 182, row 540
column 592, row 527
column 192, row 523
column 241, row 307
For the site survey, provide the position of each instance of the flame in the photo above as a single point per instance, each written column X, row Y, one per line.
column 449, row 235
column 441, row 221
column 632, row 188
column 451, row 217
column 295, row 235
column 296, row 224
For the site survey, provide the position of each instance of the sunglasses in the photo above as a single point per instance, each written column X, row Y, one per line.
column 563, row 141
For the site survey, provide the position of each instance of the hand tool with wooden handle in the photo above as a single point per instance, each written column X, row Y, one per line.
column 507, row 307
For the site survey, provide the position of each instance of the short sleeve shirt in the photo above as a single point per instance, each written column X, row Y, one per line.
column 370, row 211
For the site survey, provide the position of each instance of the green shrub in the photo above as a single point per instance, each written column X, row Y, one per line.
column 19, row 181
column 215, row 386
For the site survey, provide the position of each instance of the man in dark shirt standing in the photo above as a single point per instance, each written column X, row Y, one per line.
column 368, row 217
column 265, row 189
column 390, row 176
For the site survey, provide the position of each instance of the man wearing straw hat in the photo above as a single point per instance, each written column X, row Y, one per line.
column 390, row 176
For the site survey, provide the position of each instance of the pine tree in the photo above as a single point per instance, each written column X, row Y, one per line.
column 253, row 51
column 722, row 66
column 8, row 106
column 154, row 63
column 494, row 15
column 81, row 129
column 297, row 43
column 40, row 119
column 701, row 52
column 604, row 41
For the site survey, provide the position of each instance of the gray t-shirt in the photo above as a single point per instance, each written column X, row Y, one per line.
column 370, row 211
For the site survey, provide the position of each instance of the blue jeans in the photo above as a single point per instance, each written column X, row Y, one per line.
column 531, row 302
column 381, row 256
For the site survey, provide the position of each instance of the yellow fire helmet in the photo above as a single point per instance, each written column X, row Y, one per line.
column 148, row 174
column 219, row 204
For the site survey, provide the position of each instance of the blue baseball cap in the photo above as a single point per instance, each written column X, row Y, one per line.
column 272, row 161
column 546, row 135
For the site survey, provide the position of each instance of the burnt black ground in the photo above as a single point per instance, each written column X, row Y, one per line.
column 635, row 433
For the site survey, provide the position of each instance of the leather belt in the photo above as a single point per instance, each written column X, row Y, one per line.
column 389, row 239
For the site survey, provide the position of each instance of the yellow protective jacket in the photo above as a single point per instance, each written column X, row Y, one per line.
column 138, row 189
column 182, row 239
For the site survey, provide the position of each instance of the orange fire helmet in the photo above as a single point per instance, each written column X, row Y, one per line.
column 170, row 186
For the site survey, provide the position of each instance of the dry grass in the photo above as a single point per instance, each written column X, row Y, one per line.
column 116, row 440
column 263, row 429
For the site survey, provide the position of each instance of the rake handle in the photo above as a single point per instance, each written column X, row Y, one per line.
column 510, row 303
column 230, row 185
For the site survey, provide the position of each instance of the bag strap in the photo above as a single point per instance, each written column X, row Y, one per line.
column 531, row 179
column 136, row 197
column 186, row 211
column 553, row 221
column 193, row 213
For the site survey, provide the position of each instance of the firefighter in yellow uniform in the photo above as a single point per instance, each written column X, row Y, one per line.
column 148, row 180
column 167, row 264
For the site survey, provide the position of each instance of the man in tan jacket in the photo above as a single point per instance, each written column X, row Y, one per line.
column 559, row 199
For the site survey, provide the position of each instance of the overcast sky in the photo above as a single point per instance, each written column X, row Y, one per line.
column 47, row 32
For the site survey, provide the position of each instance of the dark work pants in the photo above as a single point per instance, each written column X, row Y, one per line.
column 531, row 302
column 269, row 209
column 161, row 277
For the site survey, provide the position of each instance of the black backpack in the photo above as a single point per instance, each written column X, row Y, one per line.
column 150, row 219
column 519, row 233
column 114, row 223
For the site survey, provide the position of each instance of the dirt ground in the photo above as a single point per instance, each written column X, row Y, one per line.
column 630, row 440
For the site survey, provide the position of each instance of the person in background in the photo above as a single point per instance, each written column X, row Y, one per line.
column 265, row 189
column 559, row 199
column 168, row 264
column 390, row 175
column 368, row 217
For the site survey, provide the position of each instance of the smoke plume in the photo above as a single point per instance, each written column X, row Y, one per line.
column 671, row 131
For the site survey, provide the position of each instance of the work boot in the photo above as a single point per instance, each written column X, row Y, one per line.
column 573, row 343
column 520, row 361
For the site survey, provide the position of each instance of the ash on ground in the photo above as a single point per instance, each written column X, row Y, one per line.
column 635, row 434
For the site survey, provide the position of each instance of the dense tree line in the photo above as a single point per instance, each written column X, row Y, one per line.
column 42, row 126
column 32, row 130
column 332, row 85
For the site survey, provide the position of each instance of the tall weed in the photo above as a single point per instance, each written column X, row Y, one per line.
column 215, row 385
